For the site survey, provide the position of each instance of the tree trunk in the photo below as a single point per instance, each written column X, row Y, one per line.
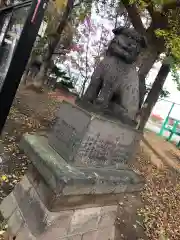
column 83, row 87
column 26, row 72
column 153, row 94
column 24, row 76
column 146, row 60
column 39, row 80
column 134, row 16
column 145, row 63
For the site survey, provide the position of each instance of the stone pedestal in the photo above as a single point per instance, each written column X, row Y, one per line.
column 77, row 178
column 86, row 139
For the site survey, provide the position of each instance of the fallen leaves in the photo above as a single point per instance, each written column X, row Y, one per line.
column 161, row 197
column 4, row 178
column 14, row 162
column 28, row 114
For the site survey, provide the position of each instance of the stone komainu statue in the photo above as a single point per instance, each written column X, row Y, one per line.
column 114, row 85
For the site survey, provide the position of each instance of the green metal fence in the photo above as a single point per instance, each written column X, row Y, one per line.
column 165, row 120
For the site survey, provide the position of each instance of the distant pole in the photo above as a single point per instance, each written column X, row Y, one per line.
column 20, row 58
column 166, row 120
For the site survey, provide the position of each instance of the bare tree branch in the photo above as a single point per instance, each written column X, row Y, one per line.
column 134, row 16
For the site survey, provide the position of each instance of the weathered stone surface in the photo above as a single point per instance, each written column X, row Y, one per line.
column 21, row 189
column 74, row 202
column 42, row 156
column 120, row 188
column 85, row 220
column 103, row 188
column 25, row 183
column 51, row 235
column 25, row 234
column 110, row 175
column 90, row 235
column 106, row 144
column 52, row 217
column 108, row 216
column 87, row 188
column 32, row 210
column 8, row 206
column 59, row 229
column 78, row 189
column 44, row 192
column 85, row 201
column 15, row 222
column 55, row 171
column 107, row 233
column 66, row 224
column 67, row 180
column 68, row 130
column 74, row 237
column 135, row 187
column 107, row 209
column 95, row 140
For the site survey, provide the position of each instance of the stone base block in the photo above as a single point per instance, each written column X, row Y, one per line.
column 56, row 200
column 69, row 186
column 87, row 139
column 77, row 177
column 29, row 218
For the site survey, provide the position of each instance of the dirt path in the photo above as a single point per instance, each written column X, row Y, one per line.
column 161, row 196
column 167, row 152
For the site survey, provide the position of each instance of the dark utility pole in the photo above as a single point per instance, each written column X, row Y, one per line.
column 20, row 57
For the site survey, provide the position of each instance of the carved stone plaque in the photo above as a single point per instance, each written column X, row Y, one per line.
column 88, row 139
column 68, row 130
column 106, row 144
